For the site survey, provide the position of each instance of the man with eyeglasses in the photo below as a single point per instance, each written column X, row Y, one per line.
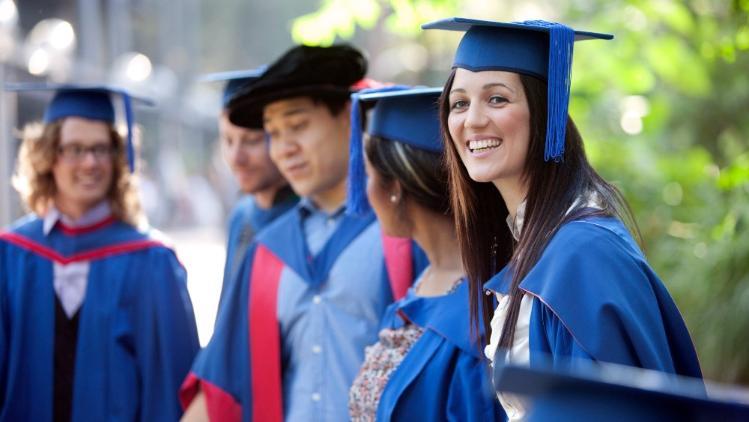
column 95, row 319
column 265, row 194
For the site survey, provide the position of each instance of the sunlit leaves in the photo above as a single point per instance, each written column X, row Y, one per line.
column 409, row 15
column 736, row 175
column 335, row 18
column 340, row 18
column 678, row 65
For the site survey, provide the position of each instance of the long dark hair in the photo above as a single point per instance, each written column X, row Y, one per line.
column 486, row 243
column 421, row 174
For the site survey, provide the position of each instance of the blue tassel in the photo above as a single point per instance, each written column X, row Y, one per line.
column 129, row 122
column 357, row 179
column 561, row 42
column 357, row 202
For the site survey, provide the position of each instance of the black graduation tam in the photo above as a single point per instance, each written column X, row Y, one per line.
column 92, row 102
column 587, row 390
column 328, row 72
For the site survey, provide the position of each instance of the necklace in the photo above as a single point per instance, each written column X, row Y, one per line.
column 428, row 276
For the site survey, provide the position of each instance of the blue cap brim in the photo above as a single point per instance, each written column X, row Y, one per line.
column 585, row 390
column 376, row 94
column 233, row 74
column 236, row 81
column 464, row 24
column 104, row 89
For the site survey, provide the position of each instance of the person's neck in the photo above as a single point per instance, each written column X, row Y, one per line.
column 331, row 199
column 435, row 234
column 265, row 198
column 74, row 211
column 513, row 192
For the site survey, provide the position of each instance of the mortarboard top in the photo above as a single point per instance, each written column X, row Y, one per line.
column 235, row 80
column 586, row 390
column 537, row 48
column 88, row 101
column 301, row 71
column 409, row 115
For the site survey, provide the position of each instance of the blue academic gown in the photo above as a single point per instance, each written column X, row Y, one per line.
column 242, row 370
column 136, row 332
column 595, row 297
column 444, row 377
column 245, row 221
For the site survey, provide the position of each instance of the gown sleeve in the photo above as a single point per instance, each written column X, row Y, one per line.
column 166, row 338
column 470, row 396
column 3, row 326
column 549, row 336
column 222, row 369
column 597, row 298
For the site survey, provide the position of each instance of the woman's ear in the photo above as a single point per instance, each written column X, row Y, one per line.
column 396, row 192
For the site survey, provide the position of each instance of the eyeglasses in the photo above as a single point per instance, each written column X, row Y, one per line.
column 76, row 152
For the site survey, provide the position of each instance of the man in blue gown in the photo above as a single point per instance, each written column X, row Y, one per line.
column 95, row 319
column 265, row 193
column 291, row 333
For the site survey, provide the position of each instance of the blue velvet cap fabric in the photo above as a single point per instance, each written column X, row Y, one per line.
column 536, row 48
column 88, row 101
column 577, row 390
column 410, row 116
column 400, row 114
column 236, row 80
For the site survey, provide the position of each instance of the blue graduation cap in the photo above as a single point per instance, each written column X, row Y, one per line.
column 577, row 390
column 236, row 80
column 537, row 48
column 88, row 101
column 400, row 113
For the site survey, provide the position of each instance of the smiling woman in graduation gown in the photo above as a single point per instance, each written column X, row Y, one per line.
column 572, row 281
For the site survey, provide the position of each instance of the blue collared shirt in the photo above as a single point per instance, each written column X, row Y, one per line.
column 325, row 326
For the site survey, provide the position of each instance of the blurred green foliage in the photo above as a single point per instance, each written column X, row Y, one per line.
column 664, row 109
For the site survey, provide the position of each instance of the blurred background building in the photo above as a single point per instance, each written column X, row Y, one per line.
column 663, row 109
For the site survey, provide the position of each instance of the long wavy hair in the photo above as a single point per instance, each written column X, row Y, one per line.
column 486, row 243
column 34, row 181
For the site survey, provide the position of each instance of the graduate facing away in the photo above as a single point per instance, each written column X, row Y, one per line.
column 536, row 221
column 311, row 292
column 95, row 319
column 426, row 364
column 265, row 194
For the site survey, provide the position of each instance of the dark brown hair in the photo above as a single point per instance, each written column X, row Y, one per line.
column 486, row 244
column 421, row 174
column 335, row 103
